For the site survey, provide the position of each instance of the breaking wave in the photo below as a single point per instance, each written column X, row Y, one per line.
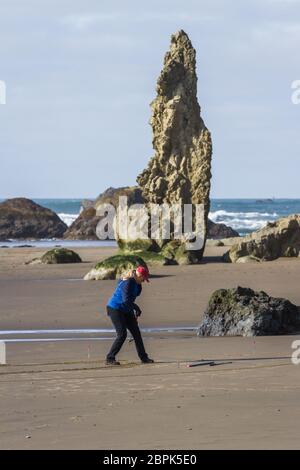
column 68, row 219
column 243, row 222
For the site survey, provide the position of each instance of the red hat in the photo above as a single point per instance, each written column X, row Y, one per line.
column 144, row 272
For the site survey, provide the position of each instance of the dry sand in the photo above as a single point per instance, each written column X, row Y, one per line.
column 57, row 395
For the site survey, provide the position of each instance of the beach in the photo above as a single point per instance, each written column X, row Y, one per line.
column 60, row 394
column 123, row 160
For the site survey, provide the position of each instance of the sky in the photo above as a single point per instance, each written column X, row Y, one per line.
column 80, row 75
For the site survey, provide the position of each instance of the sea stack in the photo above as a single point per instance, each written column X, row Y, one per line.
column 180, row 170
column 22, row 218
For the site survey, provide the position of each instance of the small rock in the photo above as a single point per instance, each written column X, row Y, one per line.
column 57, row 256
column 212, row 242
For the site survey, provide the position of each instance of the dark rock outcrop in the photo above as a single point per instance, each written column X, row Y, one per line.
column 111, row 196
column 84, row 227
column 218, row 231
column 22, row 218
column 243, row 312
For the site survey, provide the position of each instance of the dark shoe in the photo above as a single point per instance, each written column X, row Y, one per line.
column 147, row 361
column 112, row 362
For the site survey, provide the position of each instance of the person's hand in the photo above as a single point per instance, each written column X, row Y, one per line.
column 137, row 311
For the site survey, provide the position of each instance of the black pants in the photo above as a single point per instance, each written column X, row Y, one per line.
column 123, row 322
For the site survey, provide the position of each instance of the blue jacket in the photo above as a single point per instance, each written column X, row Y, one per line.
column 124, row 296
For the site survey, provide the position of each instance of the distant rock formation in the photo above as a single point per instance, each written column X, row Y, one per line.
column 218, row 231
column 111, row 196
column 22, row 218
column 84, row 227
column 278, row 238
column 243, row 312
column 180, row 170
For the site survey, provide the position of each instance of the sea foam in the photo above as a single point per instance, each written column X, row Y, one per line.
column 243, row 222
column 68, row 219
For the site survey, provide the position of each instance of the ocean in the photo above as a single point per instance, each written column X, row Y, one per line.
column 243, row 215
column 247, row 215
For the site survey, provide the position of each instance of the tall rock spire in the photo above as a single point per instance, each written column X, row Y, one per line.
column 180, row 168
column 179, row 172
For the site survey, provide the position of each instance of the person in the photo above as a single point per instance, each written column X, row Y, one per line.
column 123, row 312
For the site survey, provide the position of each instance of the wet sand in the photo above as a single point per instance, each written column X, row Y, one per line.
column 60, row 394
